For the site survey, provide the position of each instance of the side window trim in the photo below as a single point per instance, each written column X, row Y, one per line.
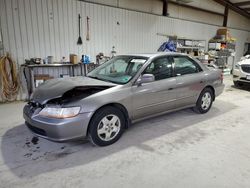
column 171, row 59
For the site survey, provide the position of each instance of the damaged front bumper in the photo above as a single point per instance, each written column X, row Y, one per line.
column 56, row 129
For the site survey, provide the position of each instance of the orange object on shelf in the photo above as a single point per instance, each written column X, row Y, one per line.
column 223, row 46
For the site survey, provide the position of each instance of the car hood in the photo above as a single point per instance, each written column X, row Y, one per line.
column 245, row 62
column 56, row 88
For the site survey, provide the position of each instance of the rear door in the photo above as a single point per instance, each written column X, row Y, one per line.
column 158, row 96
column 190, row 80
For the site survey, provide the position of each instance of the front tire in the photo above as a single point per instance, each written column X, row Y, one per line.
column 204, row 101
column 106, row 126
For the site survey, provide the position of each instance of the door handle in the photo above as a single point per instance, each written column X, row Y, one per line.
column 170, row 88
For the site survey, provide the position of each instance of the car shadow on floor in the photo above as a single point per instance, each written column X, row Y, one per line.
column 28, row 156
column 245, row 87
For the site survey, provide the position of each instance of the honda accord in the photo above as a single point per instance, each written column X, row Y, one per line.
column 125, row 89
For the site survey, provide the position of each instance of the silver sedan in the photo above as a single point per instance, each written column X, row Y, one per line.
column 125, row 89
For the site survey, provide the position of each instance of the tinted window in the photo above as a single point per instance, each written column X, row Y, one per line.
column 184, row 65
column 161, row 68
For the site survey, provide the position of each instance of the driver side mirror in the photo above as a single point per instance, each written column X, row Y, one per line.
column 145, row 78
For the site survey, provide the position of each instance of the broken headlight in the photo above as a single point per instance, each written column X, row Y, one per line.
column 60, row 112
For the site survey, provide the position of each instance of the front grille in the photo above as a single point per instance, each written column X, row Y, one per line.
column 36, row 130
column 245, row 68
column 244, row 79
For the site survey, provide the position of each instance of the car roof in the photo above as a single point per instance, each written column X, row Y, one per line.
column 151, row 55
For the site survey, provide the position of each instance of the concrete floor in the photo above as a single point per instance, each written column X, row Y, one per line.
column 181, row 149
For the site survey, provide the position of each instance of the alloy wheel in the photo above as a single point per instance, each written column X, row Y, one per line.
column 206, row 101
column 109, row 127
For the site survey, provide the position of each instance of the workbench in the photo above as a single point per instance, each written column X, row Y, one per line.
column 55, row 70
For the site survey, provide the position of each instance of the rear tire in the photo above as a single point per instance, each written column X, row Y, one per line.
column 204, row 101
column 106, row 126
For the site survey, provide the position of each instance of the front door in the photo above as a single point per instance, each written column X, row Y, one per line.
column 157, row 96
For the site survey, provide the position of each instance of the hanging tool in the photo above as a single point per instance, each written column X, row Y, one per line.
column 79, row 41
column 87, row 35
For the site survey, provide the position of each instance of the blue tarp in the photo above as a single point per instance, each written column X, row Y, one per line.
column 168, row 46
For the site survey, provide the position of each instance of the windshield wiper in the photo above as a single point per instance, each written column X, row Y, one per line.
column 105, row 80
column 95, row 77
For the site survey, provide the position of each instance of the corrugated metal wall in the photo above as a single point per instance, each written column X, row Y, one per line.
column 38, row 28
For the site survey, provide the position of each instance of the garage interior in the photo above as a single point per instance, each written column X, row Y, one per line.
column 41, row 40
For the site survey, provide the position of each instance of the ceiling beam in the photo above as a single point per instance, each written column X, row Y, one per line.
column 225, row 16
column 243, row 3
column 233, row 7
column 165, row 8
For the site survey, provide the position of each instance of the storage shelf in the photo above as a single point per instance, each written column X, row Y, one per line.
column 190, row 47
column 51, row 65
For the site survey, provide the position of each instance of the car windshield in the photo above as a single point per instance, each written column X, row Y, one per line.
column 120, row 69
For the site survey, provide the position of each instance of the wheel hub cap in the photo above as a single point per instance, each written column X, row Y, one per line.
column 109, row 127
column 206, row 101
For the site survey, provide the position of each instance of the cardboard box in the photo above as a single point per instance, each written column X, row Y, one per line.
column 223, row 31
column 73, row 58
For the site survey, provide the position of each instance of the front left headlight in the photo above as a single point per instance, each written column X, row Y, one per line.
column 60, row 112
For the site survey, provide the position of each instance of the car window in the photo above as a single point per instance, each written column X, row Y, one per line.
column 185, row 65
column 161, row 68
column 119, row 69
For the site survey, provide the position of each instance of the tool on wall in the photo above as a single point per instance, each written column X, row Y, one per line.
column 79, row 41
column 87, row 35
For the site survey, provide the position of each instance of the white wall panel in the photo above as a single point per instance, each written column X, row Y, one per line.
column 10, row 28
column 235, row 20
column 208, row 5
column 4, row 28
column 39, row 28
column 51, row 36
column 181, row 12
column 241, row 39
column 45, row 27
column 238, row 21
column 151, row 6
column 23, row 29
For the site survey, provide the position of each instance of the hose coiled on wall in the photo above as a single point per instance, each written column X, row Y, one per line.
column 9, row 79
